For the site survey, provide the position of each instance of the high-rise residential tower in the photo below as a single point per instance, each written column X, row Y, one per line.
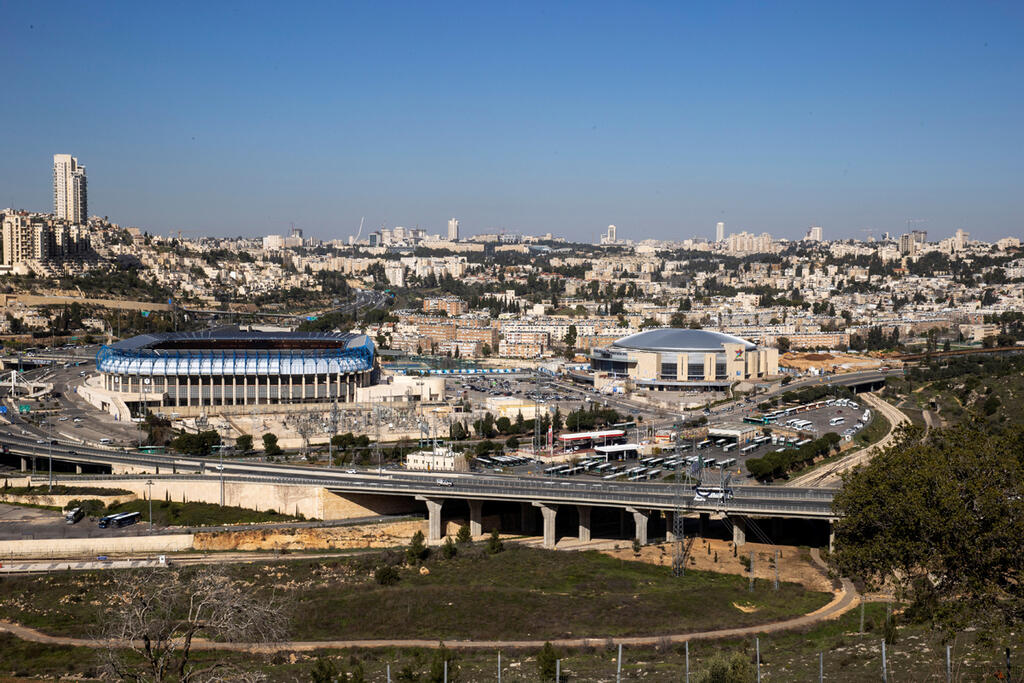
column 719, row 231
column 453, row 229
column 70, row 196
column 814, row 234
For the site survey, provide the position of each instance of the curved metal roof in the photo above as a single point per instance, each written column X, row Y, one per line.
column 251, row 338
column 676, row 339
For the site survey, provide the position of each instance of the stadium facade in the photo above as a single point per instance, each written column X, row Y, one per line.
column 672, row 359
column 231, row 370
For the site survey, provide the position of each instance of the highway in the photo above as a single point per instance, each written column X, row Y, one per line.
column 764, row 500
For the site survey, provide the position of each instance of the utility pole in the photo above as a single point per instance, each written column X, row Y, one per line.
column 150, row 485
column 49, row 451
column 678, row 525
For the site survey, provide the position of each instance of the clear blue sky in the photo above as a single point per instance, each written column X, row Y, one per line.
column 239, row 118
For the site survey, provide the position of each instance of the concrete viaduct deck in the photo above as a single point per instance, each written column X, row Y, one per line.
column 640, row 499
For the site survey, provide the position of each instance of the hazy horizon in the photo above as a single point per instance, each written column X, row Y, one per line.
column 660, row 119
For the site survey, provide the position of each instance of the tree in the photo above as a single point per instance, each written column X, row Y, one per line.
column 270, row 444
column 494, row 544
column 386, row 575
column 463, row 537
column 547, row 662
column 417, row 550
column 155, row 615
column 448, row 549
column 943, row 522
column 720, row 668
column 570, row 337
column 196, row 444
column 783, row 344
column 244, row 442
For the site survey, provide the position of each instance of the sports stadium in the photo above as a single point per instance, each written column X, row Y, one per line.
column 672, row 359
column 229, row 369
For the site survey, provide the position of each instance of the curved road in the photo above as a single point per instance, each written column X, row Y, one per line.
column 845, row 599
column 831, row 473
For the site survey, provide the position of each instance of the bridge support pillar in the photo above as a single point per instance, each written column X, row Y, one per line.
column 831, row 535
column 549, row 512
column 702, row 528
column 433, row 518
column 24, row 464
column 670, row 525
column 78, row 469
column 640, row 524
column 476, row 527
column 739, row 530
column 584, row 523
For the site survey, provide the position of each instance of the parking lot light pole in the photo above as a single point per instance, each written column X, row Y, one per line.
column 150, row 485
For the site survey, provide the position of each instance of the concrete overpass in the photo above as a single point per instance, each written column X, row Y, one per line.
column 643, row 501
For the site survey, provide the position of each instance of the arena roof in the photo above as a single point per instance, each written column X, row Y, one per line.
column 676, row 339
column 231, row 351
column 235, row 338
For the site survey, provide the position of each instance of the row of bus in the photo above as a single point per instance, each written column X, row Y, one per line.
column 120, row 520
column 502, row 460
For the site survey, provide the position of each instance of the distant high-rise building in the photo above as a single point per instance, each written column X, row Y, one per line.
column 611, row 234
column 908, row 244
column 453, row 229
column 719, row 231
column 814, row 234
column 70, row 198
column 920, row 236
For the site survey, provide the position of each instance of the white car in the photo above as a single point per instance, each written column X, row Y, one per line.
column 351, row 472
column 444, row 482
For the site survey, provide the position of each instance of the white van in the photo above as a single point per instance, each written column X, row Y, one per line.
column 104, row 440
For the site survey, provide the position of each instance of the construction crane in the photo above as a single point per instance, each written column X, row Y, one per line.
column 359, row 234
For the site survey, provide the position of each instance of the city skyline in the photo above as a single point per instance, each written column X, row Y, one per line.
column 544, row 122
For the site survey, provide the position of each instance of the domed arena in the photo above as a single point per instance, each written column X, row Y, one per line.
column 673, row 359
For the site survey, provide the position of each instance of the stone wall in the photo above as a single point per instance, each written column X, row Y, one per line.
column 92, row 547
column 62, row 500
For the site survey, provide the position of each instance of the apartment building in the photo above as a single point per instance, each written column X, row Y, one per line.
column 451, row 305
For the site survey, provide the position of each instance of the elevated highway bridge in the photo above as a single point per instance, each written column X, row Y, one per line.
column 534, row 496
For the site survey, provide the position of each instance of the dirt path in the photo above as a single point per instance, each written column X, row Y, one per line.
column 844, row 599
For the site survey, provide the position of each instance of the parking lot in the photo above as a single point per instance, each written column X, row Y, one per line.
column 718, row 456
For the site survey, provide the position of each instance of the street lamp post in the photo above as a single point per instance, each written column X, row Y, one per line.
column 149, row 483
column 49, row 453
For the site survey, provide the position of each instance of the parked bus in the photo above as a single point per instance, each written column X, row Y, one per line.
column 74, row 515
column 119, row 520
column 704, row 444
column 804, row 442
column 748, row 449
column 727, row 463
column 728, row 447
column 837, row 421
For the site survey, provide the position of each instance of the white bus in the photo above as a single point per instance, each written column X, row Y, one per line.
column 728, row 447
column 748, row 449
column 728, row 462
column 704, row 444
column 837, row 421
